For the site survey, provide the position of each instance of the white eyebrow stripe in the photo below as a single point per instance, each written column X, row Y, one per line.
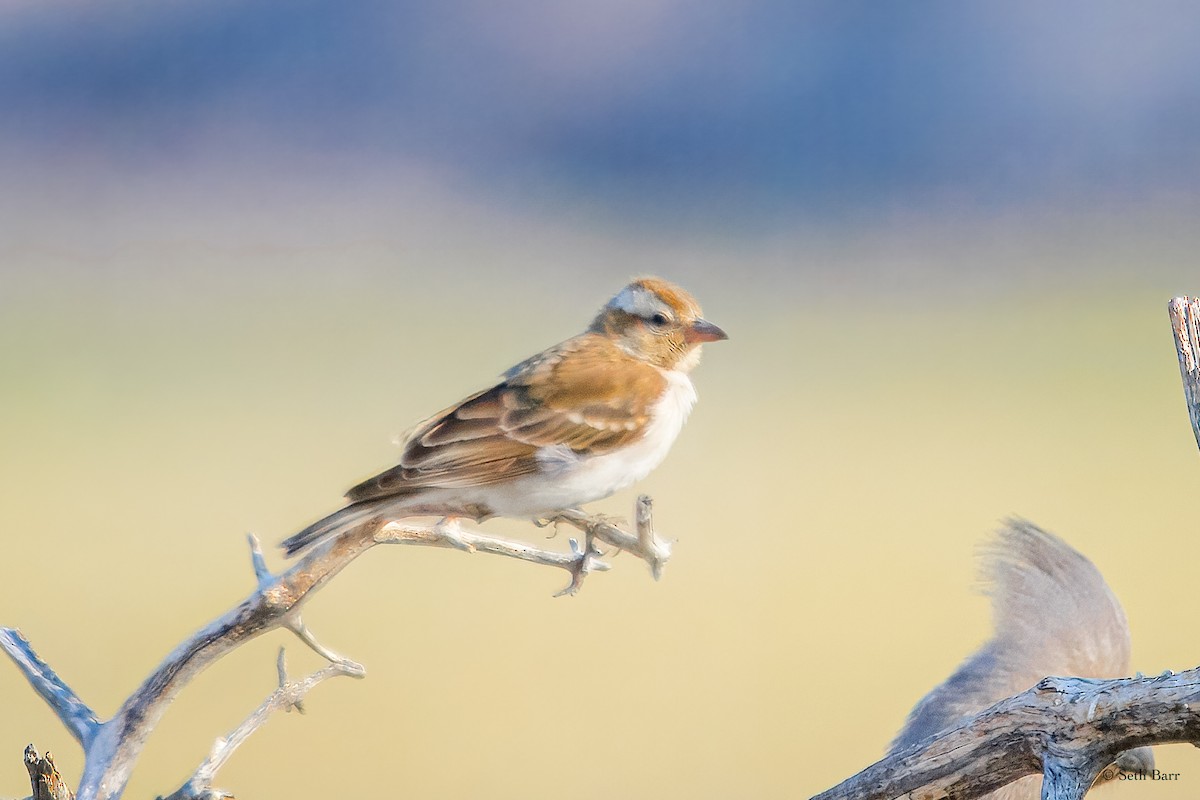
column 637, row 301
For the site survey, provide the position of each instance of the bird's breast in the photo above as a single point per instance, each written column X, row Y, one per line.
column 585, row 477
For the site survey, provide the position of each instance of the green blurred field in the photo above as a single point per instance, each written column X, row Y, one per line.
column 854, row 442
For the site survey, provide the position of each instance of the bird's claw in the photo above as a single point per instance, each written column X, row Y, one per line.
column 548, row 522
column 616, row 520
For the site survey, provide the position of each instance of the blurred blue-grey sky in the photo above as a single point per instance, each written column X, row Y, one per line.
column 797, row 148
column 730, row 108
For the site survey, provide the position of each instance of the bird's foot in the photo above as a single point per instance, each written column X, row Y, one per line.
column 578, row 518
column 616, row 520
column 548, row 522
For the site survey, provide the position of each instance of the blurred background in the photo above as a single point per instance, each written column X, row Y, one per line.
column 245, row 244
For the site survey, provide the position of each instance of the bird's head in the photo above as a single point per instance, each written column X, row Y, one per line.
column 657, row 322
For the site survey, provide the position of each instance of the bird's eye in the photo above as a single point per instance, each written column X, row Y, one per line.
column 658, row 320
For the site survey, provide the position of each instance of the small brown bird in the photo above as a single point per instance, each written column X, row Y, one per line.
column 574, row 423
column 1053, row 615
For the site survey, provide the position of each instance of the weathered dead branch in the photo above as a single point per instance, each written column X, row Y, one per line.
column 1067, row 729
column 111, row 748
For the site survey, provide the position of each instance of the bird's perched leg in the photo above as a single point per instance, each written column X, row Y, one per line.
column 644, row 544
column 595, row 521
column 589, row 529
column 547, row 522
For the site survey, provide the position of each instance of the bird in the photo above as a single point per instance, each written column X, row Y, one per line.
column 1053, row 614
column 575, row 423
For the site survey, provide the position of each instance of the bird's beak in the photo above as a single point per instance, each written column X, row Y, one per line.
column 703, row 331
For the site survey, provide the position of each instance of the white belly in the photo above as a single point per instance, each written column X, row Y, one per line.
column 569, row 479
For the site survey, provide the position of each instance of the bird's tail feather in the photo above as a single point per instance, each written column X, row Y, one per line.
column 1051, row 607
column 1053, row 614
column 341, row 520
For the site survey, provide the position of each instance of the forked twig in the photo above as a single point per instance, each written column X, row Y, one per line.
column 111, row 748
column 289, row 695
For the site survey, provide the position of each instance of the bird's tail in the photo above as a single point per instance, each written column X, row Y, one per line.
column 341, row 520
column 1053, row 614
column 1051, row 608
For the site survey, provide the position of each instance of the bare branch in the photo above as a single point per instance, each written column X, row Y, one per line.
column 585, row 563
column 43, row 776
column 1185, row 324
column 645, row 545
column 579, row 562
column 1064, row 781
column 110, row 760
column 111, row 748
column 288, row 696
column 258, row 561
column 471, row 542
column 1068, row 729
column 74, row 713
column 297, row 626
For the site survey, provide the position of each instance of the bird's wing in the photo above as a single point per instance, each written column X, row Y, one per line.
column 586, row 395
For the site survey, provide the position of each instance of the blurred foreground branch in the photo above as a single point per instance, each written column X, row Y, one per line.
column 1067, row 729
column 111, row 748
